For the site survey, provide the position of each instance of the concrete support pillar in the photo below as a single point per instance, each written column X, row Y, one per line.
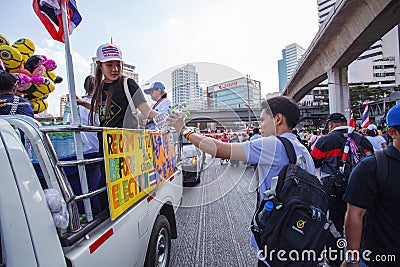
column 339, row 97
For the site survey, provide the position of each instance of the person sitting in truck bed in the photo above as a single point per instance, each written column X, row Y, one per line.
column 11, row 104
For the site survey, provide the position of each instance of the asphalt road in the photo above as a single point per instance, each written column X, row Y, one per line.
column 214, row 218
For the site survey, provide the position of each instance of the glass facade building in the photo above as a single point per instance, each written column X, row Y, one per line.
column 234, row 94
column 282, row 71
column 291, row 56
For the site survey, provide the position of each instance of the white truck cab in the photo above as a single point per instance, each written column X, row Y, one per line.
column 140, row 236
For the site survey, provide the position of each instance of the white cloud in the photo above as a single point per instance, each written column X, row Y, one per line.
column 81, row 65
column 246, row 37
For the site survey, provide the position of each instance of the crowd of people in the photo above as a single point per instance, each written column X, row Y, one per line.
column 347, row 207
column 379, row 138
column 112, row 100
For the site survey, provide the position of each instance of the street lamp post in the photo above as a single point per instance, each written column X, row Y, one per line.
column 248, row 99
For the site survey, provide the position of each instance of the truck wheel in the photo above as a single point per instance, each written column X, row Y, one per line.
column 158, row 251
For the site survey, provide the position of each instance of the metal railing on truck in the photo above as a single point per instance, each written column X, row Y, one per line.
column 54, row 174
column 56, row 177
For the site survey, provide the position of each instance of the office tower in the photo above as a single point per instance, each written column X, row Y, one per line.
column 324, row 7
column 185, row 87
column 377, row 65
column 282, row 71
column 239, row 93
column 63, row 101
column 291, row 56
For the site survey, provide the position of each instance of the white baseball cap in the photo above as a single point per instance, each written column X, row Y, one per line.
column 372, row 127
column 108, row 52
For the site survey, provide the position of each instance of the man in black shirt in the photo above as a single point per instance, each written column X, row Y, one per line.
column 373, row 217
column 328, row 155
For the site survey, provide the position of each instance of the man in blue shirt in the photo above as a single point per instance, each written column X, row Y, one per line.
column 279, row 115
column 11, row 104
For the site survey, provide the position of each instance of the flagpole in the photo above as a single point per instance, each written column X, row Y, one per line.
column 74, row 109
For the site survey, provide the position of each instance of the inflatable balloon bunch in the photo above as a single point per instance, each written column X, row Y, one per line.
column 35, row 73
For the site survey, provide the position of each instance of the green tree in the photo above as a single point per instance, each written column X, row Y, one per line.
column 361, row 94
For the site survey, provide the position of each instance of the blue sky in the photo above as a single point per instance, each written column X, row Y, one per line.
column 156, row 35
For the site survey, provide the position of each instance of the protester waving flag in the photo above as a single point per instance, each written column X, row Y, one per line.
column 365, row 117
column 49, row 12
column 352, row 122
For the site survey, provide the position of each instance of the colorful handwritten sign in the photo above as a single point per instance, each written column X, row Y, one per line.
column 164, row 156
column 130, row 170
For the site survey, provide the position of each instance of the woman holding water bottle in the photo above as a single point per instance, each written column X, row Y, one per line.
column 115, row 97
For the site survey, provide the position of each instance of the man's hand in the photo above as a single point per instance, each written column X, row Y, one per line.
column 176, row 120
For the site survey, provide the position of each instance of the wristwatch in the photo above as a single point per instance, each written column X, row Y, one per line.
column 186, row 132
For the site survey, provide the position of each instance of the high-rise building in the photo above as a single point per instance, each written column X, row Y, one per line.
column 291, row 56
column 63, row 101
column 128, row 70
column 282, row 71
column 324, row 7
column 185, row 87
column 234, row 94
column 378, row 64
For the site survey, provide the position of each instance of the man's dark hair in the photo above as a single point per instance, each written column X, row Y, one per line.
column 7, row 81
column 285, row 106
column 256, row 130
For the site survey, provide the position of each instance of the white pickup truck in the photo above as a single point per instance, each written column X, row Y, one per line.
column 140, row 236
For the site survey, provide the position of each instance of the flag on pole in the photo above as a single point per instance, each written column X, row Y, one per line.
column 352, row 122
column 49, row 12
column 365, row 117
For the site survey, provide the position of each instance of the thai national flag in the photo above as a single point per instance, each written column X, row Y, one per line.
column 153, row 178
column 49, row 12
column 365, row 117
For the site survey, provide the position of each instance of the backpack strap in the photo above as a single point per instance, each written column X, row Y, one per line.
column 382, row 166
column 289, row 149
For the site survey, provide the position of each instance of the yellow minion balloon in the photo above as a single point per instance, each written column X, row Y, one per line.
column 52, row 76
column 38, row 91
column 25, row 47
column 4, row 40
column 39, row 105
column 11, row 58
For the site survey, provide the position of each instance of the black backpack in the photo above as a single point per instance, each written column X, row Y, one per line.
column 298, row 223
column 339, row 181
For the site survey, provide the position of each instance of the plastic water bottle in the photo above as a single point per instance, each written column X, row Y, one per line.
column 67, row 116
column 160, row 120
column 265, row 213
column 67, row 112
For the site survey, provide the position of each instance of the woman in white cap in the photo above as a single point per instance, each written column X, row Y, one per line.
column 377, row 141
column 115, row 99
column 159, row 96
column 111, row 100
